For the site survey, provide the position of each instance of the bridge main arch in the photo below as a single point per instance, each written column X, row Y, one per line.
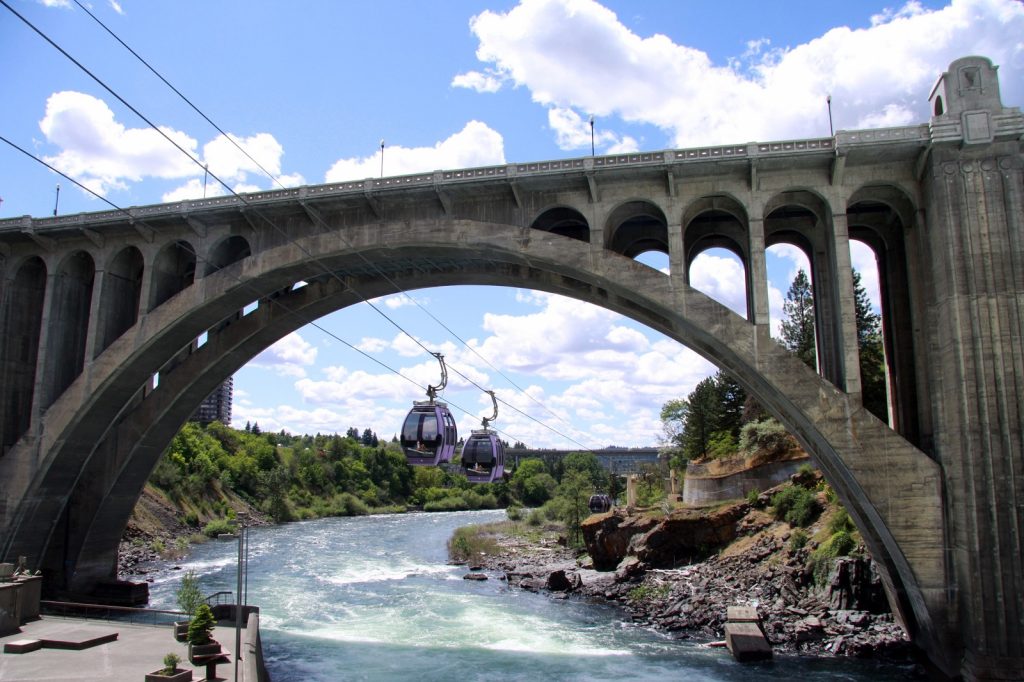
column 105, row 434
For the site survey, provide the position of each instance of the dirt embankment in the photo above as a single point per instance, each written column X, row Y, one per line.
column 161, row 528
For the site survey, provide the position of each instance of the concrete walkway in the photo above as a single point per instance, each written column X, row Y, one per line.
column 138, row 649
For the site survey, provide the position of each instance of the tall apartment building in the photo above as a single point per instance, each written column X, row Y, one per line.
column 217, row 405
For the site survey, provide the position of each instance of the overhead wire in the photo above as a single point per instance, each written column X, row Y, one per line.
column 312, row 258
column 277, row 181
column 274, row 301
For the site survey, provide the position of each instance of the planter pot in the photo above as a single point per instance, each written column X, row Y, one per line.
column 203, row 650
column 180, row 630
column 179, row 675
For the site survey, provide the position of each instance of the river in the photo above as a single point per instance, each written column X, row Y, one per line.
column 371, row 598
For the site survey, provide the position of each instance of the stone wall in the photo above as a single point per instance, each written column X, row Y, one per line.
column 709, row 490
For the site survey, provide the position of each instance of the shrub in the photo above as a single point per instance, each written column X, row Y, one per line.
column 796, row 504
column 218, row 527
column 805, row 470
column 470, row 541
column 201, row 627
column 350, row 505
column 766, row 435
column 840, row 522
column 536, row 518
column 158, row 546
column 171, row 662
column 840, row 544
column 797, row 540
column 752, row 496
column 514, row 512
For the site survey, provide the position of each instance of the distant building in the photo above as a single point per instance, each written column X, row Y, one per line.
column 217, row 406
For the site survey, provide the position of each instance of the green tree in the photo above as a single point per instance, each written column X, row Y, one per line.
column 574, row 491
column 188, row 595
column 872, row 352
column 587, row 463
column 798, row 320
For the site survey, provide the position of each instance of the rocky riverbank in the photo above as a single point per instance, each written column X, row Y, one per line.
column 679, row 575
column 156, row 532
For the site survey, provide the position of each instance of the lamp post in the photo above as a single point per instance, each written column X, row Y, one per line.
column 591, row 134
column 382, row 157
column 56, row 201
column 828, row 101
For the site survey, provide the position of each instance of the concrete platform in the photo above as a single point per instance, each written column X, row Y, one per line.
column 137, row 650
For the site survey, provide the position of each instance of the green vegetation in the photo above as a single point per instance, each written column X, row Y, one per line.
column 796, row 505
column 302, row 477
column 752, row 496
column 649, row 592
column 798, row 539
column 200, row 630
column 171, row 662
column 471, row 541
column 188, row 595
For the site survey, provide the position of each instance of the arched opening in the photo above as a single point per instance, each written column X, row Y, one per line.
column 173, row 269
column 228, row 251
column 636, row 227
column 72, row 297
column 19, row 353
column 122, row 287
column 878, row 218
column 800, row 218
column 564, row 221
column 716, row 244
column 791, row 298
column 720, row 273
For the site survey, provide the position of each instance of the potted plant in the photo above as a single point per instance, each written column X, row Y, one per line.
column 170, row 672
column 189, row 598
column 200, row 634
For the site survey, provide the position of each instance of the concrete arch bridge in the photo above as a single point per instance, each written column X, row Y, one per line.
column 94, row 306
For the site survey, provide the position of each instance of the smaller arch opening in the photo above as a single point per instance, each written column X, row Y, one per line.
column 173, row 269
column 938, row 106
column 564, row 221
column 228, row 251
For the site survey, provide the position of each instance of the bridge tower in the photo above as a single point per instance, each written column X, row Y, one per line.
column 973, row 200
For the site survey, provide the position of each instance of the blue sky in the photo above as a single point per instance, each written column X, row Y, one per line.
column 311, row 88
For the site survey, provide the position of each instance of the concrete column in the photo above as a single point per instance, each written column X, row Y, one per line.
column 676, row 254
column 44, row 359
column 845, row 307
column 97, row 317
column 757, row 277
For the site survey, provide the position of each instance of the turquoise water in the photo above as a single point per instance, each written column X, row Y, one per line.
column 371, row 598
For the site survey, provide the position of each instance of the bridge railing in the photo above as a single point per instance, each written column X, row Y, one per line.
column 39, row 226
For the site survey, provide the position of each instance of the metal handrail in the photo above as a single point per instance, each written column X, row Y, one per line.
column 222, row 597
column 127, row 614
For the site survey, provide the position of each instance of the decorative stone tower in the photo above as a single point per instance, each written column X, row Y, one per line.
column 973, row 239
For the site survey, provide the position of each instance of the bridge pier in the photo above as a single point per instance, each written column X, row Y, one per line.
column 974, row 202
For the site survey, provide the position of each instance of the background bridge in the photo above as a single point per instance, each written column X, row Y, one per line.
column 103, row 315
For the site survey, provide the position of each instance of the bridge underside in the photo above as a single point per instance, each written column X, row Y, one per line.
column 103, row 437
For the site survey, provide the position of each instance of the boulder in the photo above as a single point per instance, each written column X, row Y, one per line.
column 560, row 581
column 687, row 536
column 607, row 536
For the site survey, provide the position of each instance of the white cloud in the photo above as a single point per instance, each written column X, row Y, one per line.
column 105, row 155
column 372, row 345
column 288, row 357
column 102, row 153
column 63, row 4
column 572, row 131
column 474, row 80
column 577, row 55
column 116, row 6
column 475, row 145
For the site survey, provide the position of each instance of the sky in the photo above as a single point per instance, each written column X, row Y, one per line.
column 312, row 89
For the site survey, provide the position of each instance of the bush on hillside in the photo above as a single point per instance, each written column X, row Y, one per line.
column 796, row 505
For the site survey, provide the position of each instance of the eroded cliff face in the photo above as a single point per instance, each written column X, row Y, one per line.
column 682, row 537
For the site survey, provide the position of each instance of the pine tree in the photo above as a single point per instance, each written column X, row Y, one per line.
column 798, row 320
column 872, row 353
